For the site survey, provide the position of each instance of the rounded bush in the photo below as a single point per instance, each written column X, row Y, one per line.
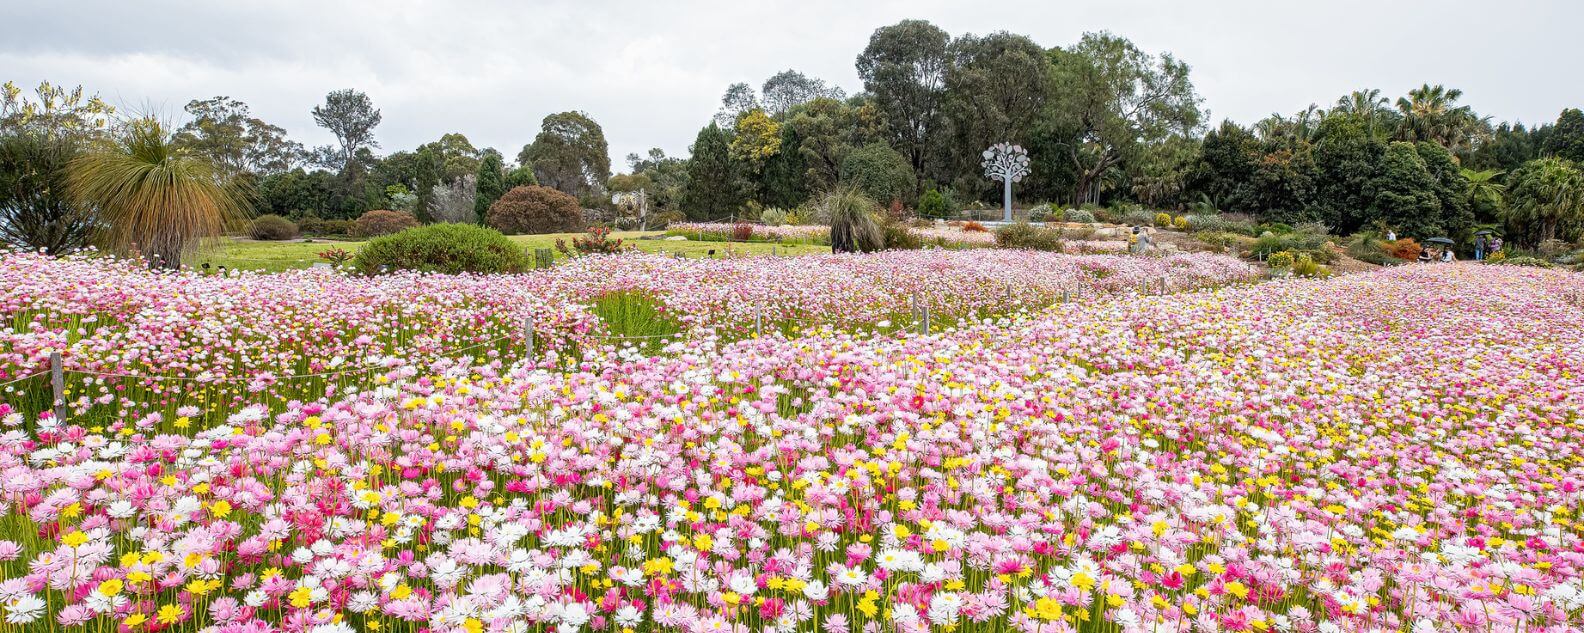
column 1079, row 215
column 535, row 209
column 381, row 222
column 1027, row 236
column 443, row 248
column 272, row 228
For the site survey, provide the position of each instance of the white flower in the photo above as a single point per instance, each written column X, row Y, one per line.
column 574, row 614
column 628, row 616
column 363, row 601
column 815, row 590
column 24, row 609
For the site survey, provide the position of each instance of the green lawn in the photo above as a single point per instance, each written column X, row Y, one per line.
column 248, row 254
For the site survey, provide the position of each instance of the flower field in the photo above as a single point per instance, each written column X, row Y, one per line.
column 158, row 345
column 1396, row 450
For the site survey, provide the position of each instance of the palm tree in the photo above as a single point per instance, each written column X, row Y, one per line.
column 1546, row 194
column 1483, row 189
column 1368, row 105
column 152, row 196
column 1430, row 114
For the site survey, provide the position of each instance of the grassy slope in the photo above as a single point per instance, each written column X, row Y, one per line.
column 277, row 256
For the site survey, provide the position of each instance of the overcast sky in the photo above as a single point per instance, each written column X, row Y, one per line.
column 651, row 73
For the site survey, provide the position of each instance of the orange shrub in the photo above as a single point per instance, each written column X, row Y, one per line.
column 1405, row 248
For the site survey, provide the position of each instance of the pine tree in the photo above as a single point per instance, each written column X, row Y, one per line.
column 491, row 184
column 715, row 187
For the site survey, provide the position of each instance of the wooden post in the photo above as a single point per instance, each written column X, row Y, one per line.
column 58, row 385
column 1066, row 295
column 758, row 323
column 528, row 335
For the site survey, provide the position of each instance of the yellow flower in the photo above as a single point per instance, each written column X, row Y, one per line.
column 1047, row 609
column 657, row 566
column 401, row 592
column 301, row 597
column 169, row 614
column 134, row 620
column 110, row 588
column 75, row 538
column 1237, row 589
column 220, row 509
column 1083, row 581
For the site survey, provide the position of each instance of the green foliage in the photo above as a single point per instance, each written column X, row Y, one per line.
column 272, row 228
column 879, row 172
column 569, row 154
column 715, row 186
column 1566, row 139
column 1109, row 98
column 755, row 138
column 1367, row 246
column 313, row 225
column 151, row 196
column 351, row 117
column 1547, row 194
column 903, row 67
column 36, row 211
column 897, row 236
column 996, row 87
column 1027, row 236
column 1163, row 219
column 597, row 241
column 933, row 205
column 382, row 222
column 1271, row 243
column 1305, row 266
column 443, row 248
column 490, row 185
column 223, row 131
column 854, row 228
column 1079, row 215
column 535, row 209
column 521, row 176
column 638, row 316
column 782, row 178
column 1280, row 259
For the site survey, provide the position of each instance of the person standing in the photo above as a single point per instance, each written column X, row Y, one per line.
column 1479, row 247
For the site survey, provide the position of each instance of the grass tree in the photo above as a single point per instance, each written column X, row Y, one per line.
column 151, row 196
column 852, row 221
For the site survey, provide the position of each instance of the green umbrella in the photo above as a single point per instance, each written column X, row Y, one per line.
column 1440, row 240
column 1484, row 232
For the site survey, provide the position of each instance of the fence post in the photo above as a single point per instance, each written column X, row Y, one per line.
column 1163, row 286
column 58, row 386
column 758, row 323
column 921, row 312
column 528, row 335
column 1066, row 295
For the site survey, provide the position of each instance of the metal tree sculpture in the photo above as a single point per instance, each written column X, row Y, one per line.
column 1007, row 163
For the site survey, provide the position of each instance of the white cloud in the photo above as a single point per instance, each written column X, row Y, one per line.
column 652, row 72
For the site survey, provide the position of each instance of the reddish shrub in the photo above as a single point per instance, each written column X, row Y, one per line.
column 535, row 209
column 974, row 227
column 381, row 222
column 742, row 232
column 1405, row 248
